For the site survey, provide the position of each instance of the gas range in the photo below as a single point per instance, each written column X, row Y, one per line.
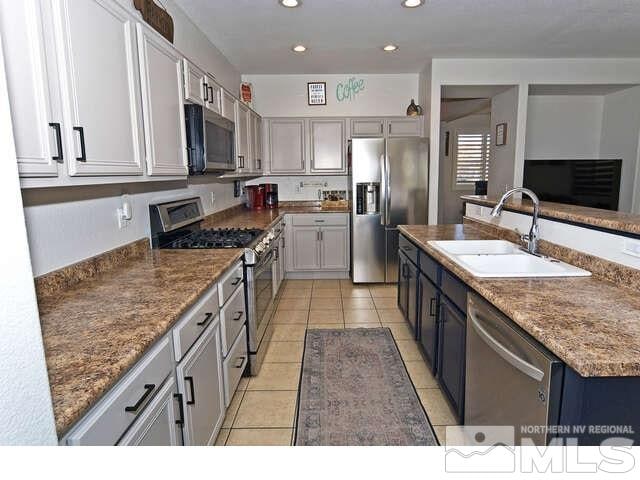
column 216, row 238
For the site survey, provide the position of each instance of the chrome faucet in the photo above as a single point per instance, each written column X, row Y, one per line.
column 532, row 237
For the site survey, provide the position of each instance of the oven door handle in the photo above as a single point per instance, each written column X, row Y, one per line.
column 265, row 261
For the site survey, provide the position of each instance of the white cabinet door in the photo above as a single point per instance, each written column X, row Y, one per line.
column 367, row 127
column 305, row 253
column 159, row 423
column 334, row 250
column 95, row 40
column 287, row 147
column 256, row 142
column 212, row 95
column 194, row 83
column 328, row 144
column 243, row 129
column 35, row 107
column 405, row 127
column 161, row 79
column 201, row 385
column 228, row 105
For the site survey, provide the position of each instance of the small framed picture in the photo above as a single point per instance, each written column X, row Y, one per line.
column 317, row 93
column 501, row 134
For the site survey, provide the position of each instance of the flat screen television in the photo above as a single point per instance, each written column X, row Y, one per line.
column 588, row 183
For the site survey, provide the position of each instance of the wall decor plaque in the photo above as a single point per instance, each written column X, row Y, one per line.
column 157, row 17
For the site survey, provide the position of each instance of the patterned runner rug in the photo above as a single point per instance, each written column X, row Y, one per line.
column 355, row 390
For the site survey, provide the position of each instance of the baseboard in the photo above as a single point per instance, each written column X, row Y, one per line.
column 316, row 275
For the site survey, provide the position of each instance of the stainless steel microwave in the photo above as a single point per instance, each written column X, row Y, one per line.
column 210, row 141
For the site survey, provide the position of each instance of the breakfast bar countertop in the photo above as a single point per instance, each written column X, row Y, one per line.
column 101, row 315
column 593, row 325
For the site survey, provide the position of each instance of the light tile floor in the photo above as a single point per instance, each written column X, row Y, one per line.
column 262, row 411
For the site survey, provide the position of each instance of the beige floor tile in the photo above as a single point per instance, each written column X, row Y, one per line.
column 326, row 293
column 288, row 333
column 326, row 283
column 325, row 316
column 362, row 325
column 357, row 303
column 346, row 283
column 284, row 352
column 390, row 315
column 290, row 316
column 276, row 376
column 441, row 433
column 221, row 439
column 420, row 374
column 244, row 381
column 409, row 350
column 260, row 437
column 294, row 304
column 296, row 293
column 233, row 409
column 436, row 406
column 326, row 303
column 384, row 291
column 400, row 331
column 266, row 409
column 321, row 326
column 356, row 292
column 361, row 316
column 299, row 284
column 385, row 303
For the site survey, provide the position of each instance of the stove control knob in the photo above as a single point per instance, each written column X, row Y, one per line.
column 259, row 248
column 266, row 241
column 270, row 236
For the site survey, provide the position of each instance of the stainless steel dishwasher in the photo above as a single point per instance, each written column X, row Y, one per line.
column 510, row 378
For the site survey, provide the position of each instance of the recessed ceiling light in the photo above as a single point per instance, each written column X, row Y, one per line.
column 299, row 48
column 390, row 48
column 290, row 3
column 412, row 3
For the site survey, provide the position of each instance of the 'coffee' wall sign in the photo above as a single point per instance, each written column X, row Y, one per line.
column 349, row 89
column 156, row 17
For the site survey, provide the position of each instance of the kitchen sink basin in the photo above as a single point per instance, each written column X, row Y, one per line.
column 502, row 259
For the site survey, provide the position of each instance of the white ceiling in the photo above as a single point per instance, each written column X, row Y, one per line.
column 346, row 35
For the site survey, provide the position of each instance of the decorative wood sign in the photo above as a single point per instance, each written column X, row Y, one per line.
column 317, row 93
column 156, row 17
column 501, row 134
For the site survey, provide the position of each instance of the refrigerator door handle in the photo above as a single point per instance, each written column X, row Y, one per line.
column 383, row 190
column 387, row 192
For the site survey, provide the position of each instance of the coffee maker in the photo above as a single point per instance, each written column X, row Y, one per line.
column 255, row 197
column 270, row 194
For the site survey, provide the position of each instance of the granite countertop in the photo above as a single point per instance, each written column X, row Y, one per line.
column 591, row 324
column 96, row 329
column 608, row 219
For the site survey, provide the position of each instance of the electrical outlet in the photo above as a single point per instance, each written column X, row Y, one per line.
column 125, row 212
column 631, row 247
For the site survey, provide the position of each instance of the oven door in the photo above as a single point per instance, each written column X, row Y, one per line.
column 263, row 296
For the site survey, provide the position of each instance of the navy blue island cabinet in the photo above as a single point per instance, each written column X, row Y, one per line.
column 591, row 410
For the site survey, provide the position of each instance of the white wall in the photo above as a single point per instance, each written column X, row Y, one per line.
column 26, row 414
column 504, row 109
column 449, row 203
column 564, row 127
column 71, row 224
column 193, row 43
column 521, row 72
column 619, row 139
column 286, row 95
column 289, row 188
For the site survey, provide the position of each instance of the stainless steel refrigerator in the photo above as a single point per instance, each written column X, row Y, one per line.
column 388, row 188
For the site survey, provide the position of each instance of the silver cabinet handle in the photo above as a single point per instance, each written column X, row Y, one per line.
column 506, row 354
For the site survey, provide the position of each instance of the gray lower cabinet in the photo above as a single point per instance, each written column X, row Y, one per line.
column 327, row 143
column 159, row 424
column 287, row 151
column 200, row 383
column 334, row 248
column 304, row 248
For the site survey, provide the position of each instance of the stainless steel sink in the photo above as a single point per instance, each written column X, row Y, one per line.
column 502, row 259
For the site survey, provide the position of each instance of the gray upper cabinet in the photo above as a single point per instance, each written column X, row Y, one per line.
column 405, row 127
column 327, row 145
column 243, row 133
column 287, row 146
column 367, row 127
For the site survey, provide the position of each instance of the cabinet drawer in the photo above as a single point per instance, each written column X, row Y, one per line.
column 229, row 282
column 106, row 422
column 233, row 316
column 234, row 365
column 408, row 248
column 320, row 219
column 194, row 322
column 429, row 267
column 455, row 290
